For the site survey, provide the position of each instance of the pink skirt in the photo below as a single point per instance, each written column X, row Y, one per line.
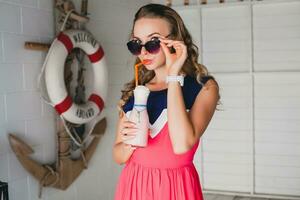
column 138, row 182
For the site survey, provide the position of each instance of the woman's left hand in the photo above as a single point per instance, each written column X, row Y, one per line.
column 174, row 61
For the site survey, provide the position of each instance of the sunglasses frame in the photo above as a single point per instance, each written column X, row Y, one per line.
column 145, row 45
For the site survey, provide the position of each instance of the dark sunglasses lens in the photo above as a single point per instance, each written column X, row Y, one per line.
column 134, row 47
column 152, row 46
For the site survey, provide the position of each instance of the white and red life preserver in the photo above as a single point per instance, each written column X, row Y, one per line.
column 54, row 76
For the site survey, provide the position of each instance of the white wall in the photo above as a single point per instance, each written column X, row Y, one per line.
column 22, row 111
column 252, row 48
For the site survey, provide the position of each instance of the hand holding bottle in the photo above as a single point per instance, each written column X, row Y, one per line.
column 128, row 131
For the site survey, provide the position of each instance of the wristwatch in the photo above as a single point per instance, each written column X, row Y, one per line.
column 180, row 79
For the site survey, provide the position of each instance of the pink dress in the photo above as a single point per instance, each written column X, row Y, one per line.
column 155, row 172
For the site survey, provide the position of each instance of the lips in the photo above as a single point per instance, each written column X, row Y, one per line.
column 147, row 61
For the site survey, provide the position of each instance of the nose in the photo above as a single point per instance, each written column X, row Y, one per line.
column 144, row 51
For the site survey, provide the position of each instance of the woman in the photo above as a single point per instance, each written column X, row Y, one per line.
column 178, row 114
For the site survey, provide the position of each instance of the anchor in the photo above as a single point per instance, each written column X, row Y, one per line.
column 62, row 173
column 66, row 169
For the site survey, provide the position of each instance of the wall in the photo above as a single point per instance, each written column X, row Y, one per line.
column 251, row 146
column 23, row 112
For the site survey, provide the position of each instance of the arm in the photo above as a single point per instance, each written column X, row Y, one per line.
column 121, row 151
column 186, row 128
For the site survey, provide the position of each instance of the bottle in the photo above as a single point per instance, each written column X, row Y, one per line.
column 139, row 115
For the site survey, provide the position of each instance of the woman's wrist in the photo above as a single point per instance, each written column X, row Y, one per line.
column 171, row 73
column 175, row 78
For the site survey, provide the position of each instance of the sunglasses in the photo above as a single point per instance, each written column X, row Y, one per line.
column 152, row 46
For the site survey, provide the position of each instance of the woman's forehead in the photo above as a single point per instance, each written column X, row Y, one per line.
column 145, row 28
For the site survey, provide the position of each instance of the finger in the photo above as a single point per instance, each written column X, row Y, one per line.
column 170, row 44
column 129, row 128
column 129, row 132
column 177, row 46
column 166, row 41
column 169, row 41
column 133, row 148
column 129, row 146
column 180, row 44
column 129, row 124
column 176, row 43
column 180, row 47
column 125, row 138
column 165, row 50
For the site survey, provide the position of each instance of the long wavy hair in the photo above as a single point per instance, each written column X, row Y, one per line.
column 178, row 32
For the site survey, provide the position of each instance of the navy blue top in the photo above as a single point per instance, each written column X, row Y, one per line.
column 157, row 100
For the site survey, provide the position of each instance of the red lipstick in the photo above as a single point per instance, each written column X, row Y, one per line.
column 147, row 61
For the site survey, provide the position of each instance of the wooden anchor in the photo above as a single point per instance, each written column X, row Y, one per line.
column 65, row 170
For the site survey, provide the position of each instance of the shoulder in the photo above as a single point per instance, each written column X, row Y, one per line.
column 191, row 82
column 210, row 89
column 190, row 90
column 207, row 99
column 210, row 83
column 206, row 86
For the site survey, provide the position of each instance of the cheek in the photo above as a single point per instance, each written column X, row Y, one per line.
column 160, row 56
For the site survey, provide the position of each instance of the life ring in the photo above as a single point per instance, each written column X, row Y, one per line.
column 54, row 76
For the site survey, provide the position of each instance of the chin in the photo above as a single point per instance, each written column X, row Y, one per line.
column 151, row 67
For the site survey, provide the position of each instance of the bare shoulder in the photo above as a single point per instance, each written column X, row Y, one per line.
column 211, row 85
column 209, row 92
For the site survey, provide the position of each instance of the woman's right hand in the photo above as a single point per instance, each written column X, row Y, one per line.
column 125, row 130
column 128, row 131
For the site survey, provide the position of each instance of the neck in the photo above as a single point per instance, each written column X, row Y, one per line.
column 160, row 75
